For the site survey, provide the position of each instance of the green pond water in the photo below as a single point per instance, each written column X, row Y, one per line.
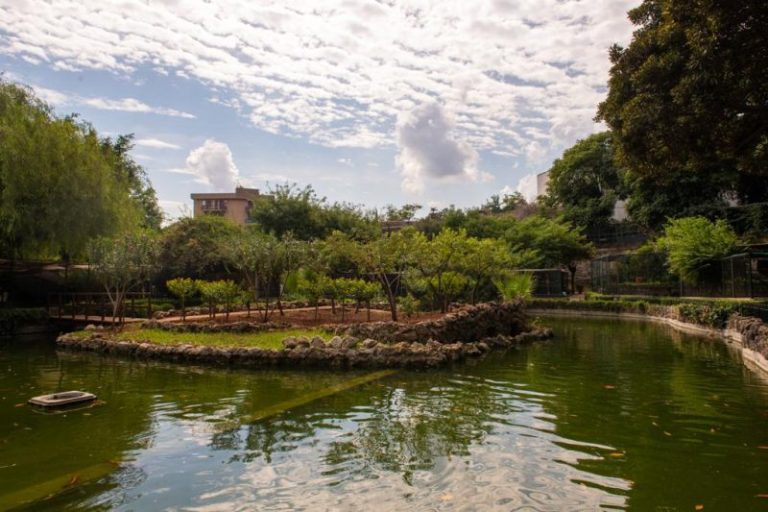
column 606, row 416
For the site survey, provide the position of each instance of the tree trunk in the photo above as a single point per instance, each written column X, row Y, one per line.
column 266, row 309
column 390, row 299
column 368, row 304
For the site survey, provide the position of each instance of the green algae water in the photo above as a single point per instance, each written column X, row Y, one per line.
column 606, row 416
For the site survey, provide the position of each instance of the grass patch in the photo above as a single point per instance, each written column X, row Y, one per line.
column 267, row 340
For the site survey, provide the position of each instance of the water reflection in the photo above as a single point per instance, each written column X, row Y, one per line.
column 606, row 416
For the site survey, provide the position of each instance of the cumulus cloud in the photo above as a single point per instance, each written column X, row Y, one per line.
column 155, row 144
column 527, row 187
column 212, row 163
column 339, row 73
column 428, row 149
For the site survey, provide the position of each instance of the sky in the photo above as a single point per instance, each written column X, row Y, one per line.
column 434, row 102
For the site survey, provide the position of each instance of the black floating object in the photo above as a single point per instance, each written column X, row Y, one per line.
column 62, row 399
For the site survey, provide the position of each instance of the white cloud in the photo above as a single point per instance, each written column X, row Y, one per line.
column 212, row 163
column 61, row 98
column 131, row 105
column 519, row 77
column 428, row 149
column 527, row 187
column 155, row 144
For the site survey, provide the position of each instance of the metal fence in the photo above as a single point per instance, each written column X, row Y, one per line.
column 548, row 282
column 645, row 273
column 617, row 234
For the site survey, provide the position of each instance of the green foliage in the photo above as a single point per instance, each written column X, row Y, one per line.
column 555, row 241
column 388, row 258
column 308, row 217
column 122, row 264
column 585, row 182
column 60, row 184
column 692, row 242
column 515, row 285
column 686, row 106
column 183, row 288
column 216, row 293
column 409, row 304
column 195, row 247
column 714, row 315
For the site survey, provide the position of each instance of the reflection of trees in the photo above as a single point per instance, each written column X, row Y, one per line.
column 670, row 398
column 401, row 427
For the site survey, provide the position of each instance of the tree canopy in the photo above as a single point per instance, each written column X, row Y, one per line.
column 307, row 216
column 688, row 106
column 692, row 242
column 60, row 184
column 585, row 182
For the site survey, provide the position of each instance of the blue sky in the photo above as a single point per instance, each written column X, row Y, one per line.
column 370, row 102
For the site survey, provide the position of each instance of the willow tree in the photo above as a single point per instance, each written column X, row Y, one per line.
column 59, row 184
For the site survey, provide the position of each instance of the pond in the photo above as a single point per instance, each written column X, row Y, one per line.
column 608, row 415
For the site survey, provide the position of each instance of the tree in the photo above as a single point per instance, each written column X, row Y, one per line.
column 555, row 242
column 139, row 187
column 387, row 258
column 688, row 100
column 406, row 212
column 307, row 216
column 436, row 262
column 364, row 292
column 121, row 264
column 210, row 292
column 183, row 288
column 692, row 242
column 194, row 247
column 585, row 182
column 228, row 292
column 59, row 185
column 489, row 259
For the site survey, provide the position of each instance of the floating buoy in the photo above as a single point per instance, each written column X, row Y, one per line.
column 61, row 399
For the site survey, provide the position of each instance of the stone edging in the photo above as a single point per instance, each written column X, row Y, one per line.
column 347, row 352
column 751, row 358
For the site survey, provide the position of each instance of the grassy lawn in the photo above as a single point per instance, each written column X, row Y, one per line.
column 267, row 340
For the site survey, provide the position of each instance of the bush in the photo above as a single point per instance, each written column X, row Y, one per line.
column 518, row 285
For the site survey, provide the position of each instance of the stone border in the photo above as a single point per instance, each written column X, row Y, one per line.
column 346, row 352
column 745, row 332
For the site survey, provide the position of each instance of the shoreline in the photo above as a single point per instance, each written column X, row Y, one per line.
column 732, row 334
column 468, row 333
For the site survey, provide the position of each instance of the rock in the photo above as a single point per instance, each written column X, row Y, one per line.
column 317, row 342
column 90, row 327
column 348, row 342
column 289, row 343
column 302, row 341
column 335, row 342
column 370, row 343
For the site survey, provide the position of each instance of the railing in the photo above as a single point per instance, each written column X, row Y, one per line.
column 97, row 307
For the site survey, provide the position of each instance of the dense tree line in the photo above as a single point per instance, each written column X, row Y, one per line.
column 61, row 184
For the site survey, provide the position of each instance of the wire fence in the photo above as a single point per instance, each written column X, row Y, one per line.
column 645, row 273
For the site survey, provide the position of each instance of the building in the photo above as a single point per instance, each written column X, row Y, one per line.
column 235, row 206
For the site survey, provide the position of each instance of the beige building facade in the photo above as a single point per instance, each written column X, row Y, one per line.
column 235, row 206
